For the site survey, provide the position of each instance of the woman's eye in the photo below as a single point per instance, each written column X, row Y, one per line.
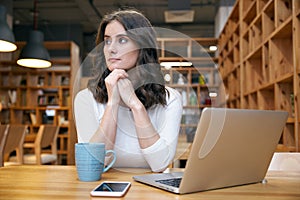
column 107, row 41
column 123, row 40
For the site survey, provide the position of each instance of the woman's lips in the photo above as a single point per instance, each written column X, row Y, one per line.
column 112, row 60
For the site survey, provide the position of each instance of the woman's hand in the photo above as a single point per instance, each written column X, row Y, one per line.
column 127, row 93
column 112, row 87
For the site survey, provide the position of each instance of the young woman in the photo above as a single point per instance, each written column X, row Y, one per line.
column 126, row 105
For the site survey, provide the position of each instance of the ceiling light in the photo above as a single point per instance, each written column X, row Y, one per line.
column 179, row 11
column 34, row 54
column 167, row 77
column 168, row 65
column 213, row 48
column 7, row 37
column 179, row 16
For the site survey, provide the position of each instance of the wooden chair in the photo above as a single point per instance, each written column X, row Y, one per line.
column 3, row 137
column 46, row 136
column 14, row 142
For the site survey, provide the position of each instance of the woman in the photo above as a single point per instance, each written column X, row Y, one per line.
column 126, row 105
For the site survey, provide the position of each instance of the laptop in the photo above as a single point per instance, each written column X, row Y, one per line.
column 231, row 147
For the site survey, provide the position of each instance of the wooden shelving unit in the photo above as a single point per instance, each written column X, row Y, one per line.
column 42, row 96
column 194, row 82
column 259, row 50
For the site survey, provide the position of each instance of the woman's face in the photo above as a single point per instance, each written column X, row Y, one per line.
column 119, row 50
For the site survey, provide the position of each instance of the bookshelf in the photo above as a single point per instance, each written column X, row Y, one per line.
column 196, row 81
column 259, row 50
column 42, row 96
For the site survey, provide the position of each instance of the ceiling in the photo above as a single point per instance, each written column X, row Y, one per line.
column 88, row 13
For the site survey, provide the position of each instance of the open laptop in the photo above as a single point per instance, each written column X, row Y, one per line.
column 231, row 147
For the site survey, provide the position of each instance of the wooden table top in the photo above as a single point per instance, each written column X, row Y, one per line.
column 60, row 182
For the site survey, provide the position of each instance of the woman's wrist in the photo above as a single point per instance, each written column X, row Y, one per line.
column 137, row 106
column 112, row 103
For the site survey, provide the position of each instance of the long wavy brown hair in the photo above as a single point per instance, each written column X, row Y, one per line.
column 146, row 77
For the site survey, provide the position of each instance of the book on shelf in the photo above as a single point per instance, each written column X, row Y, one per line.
column 12, row 96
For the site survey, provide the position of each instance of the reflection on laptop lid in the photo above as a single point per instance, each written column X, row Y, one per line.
column 231, row 147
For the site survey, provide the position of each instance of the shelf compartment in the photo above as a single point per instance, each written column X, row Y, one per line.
column 261, row 4
column 288, row 138
column 265, row 98
column 17, row 79
column 253, row 71
column 61, row 79
column 283, row 10
column 248, row 10
column 229, row 62
column 177, row 48
column 284, row 96
column 255, row 35
column 236, row 54
column 296, row 7
column 4, row 79
column 245, row 45
column 62, row 117
column 21, row 115
column 281, row 52
column 39, row 79
column 251, row 101
column 266, row 71
column 200, row 48
column 249, row 17
column 47, row 97
column 4, row 116
column 234, row 84
column 236, row 36
column 4, row 98
column 268, row 20
column 65, row 100
column 235, row 103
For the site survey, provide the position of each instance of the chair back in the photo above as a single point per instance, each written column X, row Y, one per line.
column 3, row 136
column 47, row 135
column 15, row 139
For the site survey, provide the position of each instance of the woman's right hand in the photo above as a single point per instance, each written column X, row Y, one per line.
column 112, row 87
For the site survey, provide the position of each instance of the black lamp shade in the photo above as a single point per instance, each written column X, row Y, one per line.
column 34, row 54
column 7, row 37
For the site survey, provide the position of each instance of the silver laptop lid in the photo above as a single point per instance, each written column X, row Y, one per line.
column 232, row 147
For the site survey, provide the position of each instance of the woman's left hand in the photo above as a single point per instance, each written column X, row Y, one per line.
column 127, row 93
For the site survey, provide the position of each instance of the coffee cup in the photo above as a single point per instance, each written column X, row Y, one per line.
column 90, row 159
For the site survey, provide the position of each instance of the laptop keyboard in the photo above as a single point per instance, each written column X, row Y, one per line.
column 175, row 182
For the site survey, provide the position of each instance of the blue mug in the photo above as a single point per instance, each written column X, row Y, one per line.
column 90, row 159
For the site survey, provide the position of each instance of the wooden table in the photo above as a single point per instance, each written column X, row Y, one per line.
column 60, row 182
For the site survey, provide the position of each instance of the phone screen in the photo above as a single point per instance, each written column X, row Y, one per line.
column 111, row 187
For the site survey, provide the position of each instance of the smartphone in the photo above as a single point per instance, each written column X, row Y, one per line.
column 111, row 189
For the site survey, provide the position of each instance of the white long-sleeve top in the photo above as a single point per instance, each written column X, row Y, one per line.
column 165, row 119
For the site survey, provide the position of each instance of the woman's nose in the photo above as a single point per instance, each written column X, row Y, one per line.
column 112, row 48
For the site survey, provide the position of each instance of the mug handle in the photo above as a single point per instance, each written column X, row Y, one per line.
column 112, row 162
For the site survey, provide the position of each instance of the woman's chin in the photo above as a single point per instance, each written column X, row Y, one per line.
column 113, row 66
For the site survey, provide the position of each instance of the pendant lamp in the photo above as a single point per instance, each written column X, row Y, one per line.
column 34, row 54
column 7, row 37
